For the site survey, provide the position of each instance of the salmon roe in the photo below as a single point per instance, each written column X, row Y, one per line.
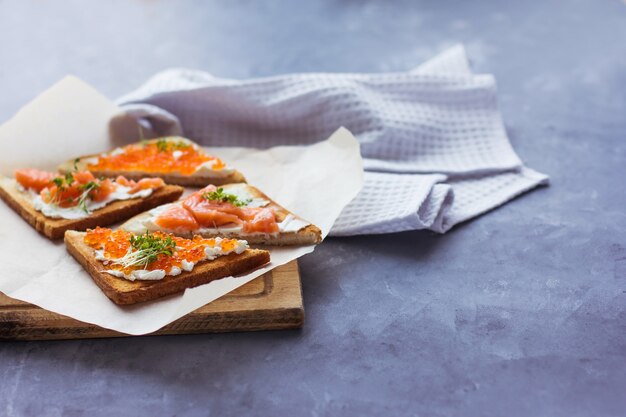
column 165, row 155
column 117, row 243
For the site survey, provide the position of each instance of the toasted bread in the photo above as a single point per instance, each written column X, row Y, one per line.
column 114, row 212
column 197, row 179
column 307, row 235
column 122, row 291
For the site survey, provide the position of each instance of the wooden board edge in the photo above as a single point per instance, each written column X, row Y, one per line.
column 280, row 308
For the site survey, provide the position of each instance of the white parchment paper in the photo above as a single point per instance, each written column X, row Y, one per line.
column 70, row 119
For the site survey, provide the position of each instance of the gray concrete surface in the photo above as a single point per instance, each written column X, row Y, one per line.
column 521, row 312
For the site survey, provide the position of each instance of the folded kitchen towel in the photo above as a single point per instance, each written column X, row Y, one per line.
column 434, row 147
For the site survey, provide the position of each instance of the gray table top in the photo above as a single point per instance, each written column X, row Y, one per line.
column 521, row 312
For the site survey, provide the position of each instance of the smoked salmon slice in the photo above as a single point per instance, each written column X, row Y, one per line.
column 74, row 188
column 263, row 221
column 34, row 178
column 214, row 214
column 197, row 210
column 124, row 182
column 83, row 177
column 210, row 213
column 145, row 184
column 65, row 197
column 104, row 189
column 177, row 217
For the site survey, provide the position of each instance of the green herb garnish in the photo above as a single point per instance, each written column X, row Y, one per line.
column 161, row 145
column 165, row 145
column 63, row 182
column 58, row 181
column 76, row 161
column 145, row 249
column 86, row 190
column 220, row 196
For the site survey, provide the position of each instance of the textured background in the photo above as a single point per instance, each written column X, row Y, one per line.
column 519, row 313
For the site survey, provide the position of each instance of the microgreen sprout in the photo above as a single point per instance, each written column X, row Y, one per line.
column 165, row 145
column 145, row 249
column 220, row 196
column 86, row 190
column 161, row 145
column 58, row 181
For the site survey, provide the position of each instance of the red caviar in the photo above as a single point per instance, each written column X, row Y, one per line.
column 116, row 244
column 161, row 156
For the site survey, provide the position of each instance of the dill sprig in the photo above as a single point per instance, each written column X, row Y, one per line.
column 220, row 196
column 145, row 249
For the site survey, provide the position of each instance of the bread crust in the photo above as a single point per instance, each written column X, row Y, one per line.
column 125, row 292
column 308, row 235
column 114, row 212
column 195, row 180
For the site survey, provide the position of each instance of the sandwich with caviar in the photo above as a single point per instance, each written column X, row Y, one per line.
column 238, row 211
column 132, row 268
column 53, row 203
column 175, row 159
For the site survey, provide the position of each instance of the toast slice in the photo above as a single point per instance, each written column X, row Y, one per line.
column 124, row 292
column 302, row 232
column 199, row 178
column 114, row 212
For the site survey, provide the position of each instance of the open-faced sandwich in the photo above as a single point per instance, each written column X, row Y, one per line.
column 135, row 268
column 53, row 203
column 235, row 211
column 175, row 159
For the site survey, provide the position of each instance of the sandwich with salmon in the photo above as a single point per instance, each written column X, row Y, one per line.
column 132, row 268
column 175, row 159
column 53, row 203
column 238, row 211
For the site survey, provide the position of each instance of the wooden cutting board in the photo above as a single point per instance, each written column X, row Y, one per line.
column 270, row 302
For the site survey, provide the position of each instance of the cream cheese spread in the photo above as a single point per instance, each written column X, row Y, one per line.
column 55, row 212
column 210, row 253
column 207, row 168
column 290, row 224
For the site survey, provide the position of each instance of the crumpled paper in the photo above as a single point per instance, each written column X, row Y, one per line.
column 71, row 119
